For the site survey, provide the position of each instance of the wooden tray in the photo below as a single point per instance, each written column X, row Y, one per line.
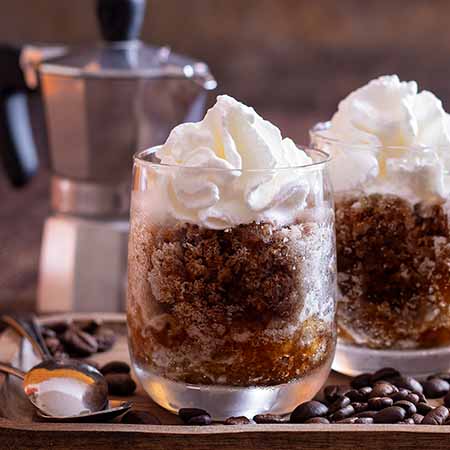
column 19, row 428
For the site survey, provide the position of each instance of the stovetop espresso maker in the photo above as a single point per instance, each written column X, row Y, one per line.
column 102, row 104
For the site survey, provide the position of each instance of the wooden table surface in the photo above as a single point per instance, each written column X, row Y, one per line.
column 22, row 214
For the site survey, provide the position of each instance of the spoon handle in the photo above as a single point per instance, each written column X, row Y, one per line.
column 30, row 330
column 6, row 368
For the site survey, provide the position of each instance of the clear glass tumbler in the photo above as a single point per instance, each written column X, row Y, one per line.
column 393, row 259
column 237, row 321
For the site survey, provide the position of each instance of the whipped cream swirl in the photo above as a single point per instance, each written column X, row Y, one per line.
column 390, row 138
column 234, row 170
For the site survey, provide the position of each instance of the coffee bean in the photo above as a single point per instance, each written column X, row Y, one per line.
column 307, row 410
column 413, row 398
column 361, row 380
column 355, row 396
column 402, row 394
column 377, row 403
column 364, row 420
column 47, row 332
column 365, row 392
column 407, row 421
column 89, row 326
column 120, row 384
column 78, row 343
column 424, row 408
column 383, row 390
column 54, row 345
column 442, row 375
column 333, row 391
column 240, row 420
column 417, row 418
column 203, row 419
column 435, row 387
column 186, row 414
column 447, row 400
column 318, row 420
column 393, row 414
column 270, row 418
column 339, row 403
column 106, row 338
column 58, row 327
column 409, row 407
column 422, row 397
column 363, row 414
column 115, row 367
column 384, row 374
column 436, row 417
column 358, row 407
column 407, row 382
column 342, row 413
column 140, row 417
column 347, row 420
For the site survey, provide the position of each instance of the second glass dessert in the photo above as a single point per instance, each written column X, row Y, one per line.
column 231, row 296
column 390, row 146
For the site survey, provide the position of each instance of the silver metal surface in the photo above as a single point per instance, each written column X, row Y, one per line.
column 83, row 265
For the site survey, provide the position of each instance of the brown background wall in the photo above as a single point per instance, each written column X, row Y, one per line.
column 287, row 54
column 291, row 59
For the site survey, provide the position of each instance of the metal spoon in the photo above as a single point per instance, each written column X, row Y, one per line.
column 62, row 390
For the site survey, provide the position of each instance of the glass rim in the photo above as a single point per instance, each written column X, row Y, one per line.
column 139, row 159
column 317, row 131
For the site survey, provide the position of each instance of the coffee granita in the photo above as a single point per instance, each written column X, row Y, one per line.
column 231, row 265
column 391, row 158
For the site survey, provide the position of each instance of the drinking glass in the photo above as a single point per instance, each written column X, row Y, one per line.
column 236, row 321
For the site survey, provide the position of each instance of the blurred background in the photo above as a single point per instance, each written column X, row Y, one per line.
column 290, row 59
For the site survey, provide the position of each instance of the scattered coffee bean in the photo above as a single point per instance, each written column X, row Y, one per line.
column 393, row 414
column 58, row 327
column 347, row 420
column 89, row 326
column 402, row 394
column 365, row 392
column 203, row 419
column 186, row 414
column 342, row 413
column 361, row 381
column 363, row 414
column 78, row 343
column 140, row 417
column 436, row 417
column 364, row 420
column 359, row 407
column 406, row 382
column 47, row 332
column 54, row 345
column 409, row 407
column 435, row 387
column 318, row 420
column 442, row 375
column 422, row 397
column 308, row 410
column 383, row 390
column 407, row 421
column 332, row 392
column 120, row 384
column 424, row 408
column 339, row 403
column 105, row 338
column 384, row 374
column 115, row 367
column 378, row 403
column 355, row 396
column 270, row 418
column 417, row 418
column 447, row 400
column 413, row 398
column 240, row 420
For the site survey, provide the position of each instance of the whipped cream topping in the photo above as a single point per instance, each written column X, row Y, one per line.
column 229, row 181
column 391, row 139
